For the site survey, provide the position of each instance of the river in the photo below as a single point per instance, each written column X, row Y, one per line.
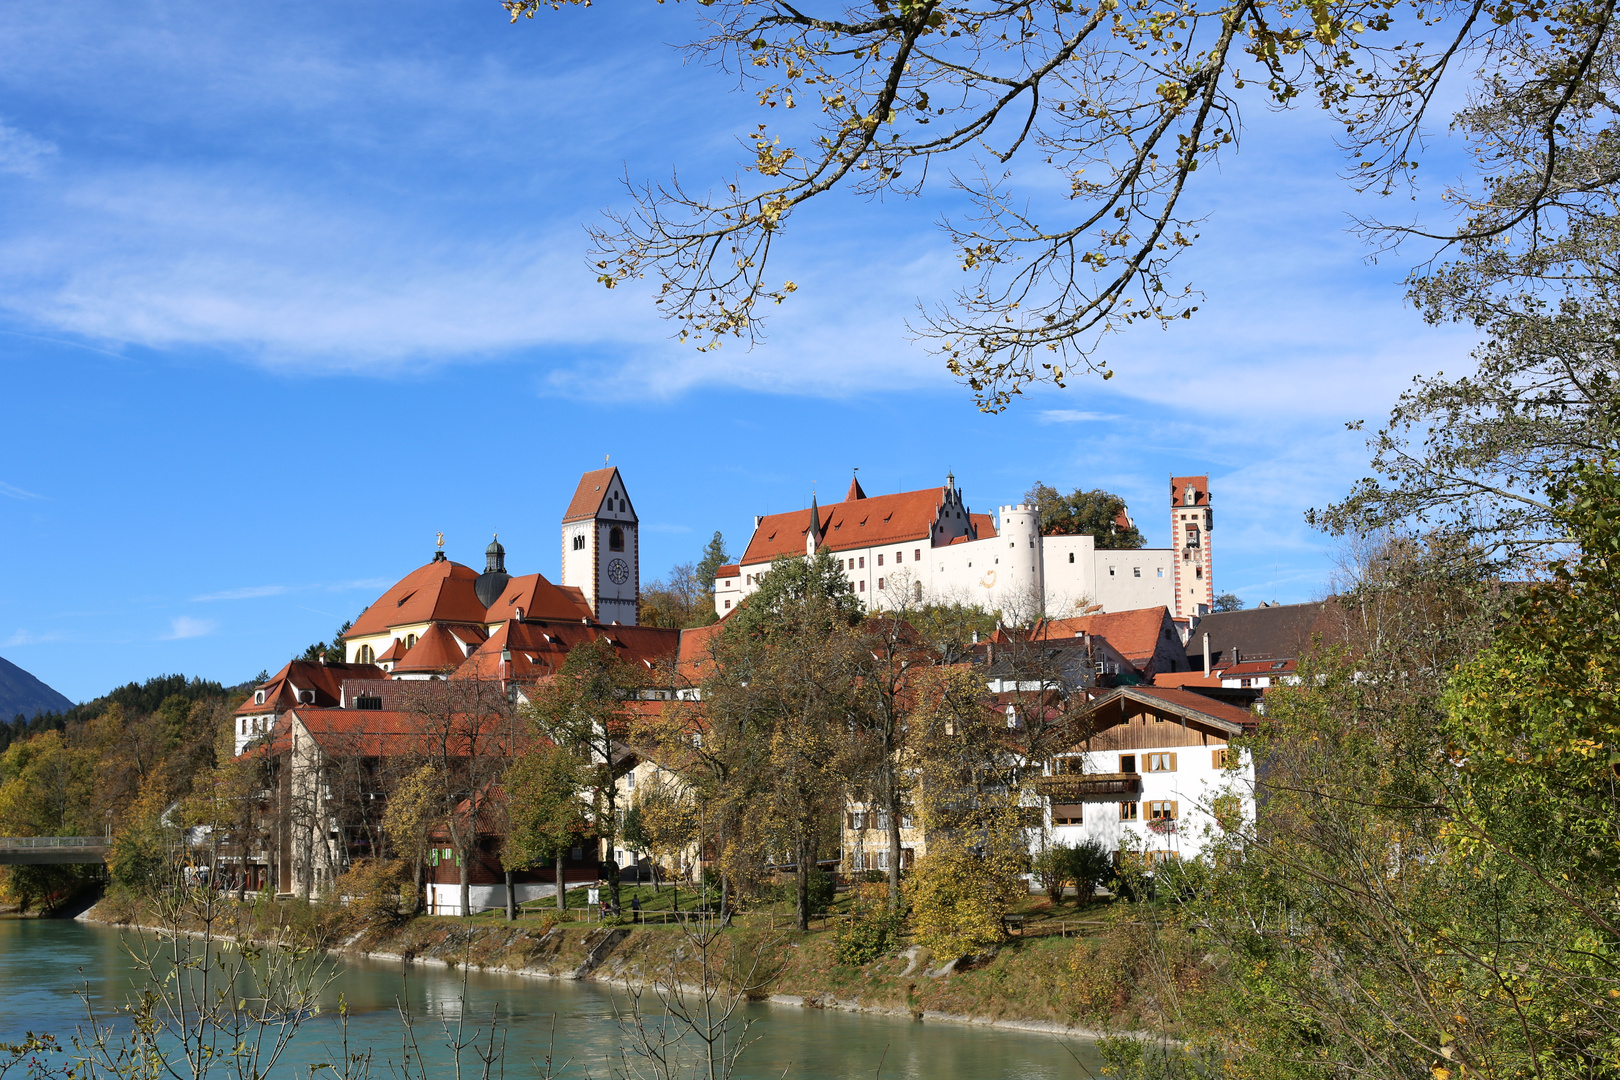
column 45, row 965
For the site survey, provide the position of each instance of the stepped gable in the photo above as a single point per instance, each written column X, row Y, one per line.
column 1276, row 632
column 588, row 497
column 436, row 651
column 324, row 681
column 538, row 599
column 441, row 591
column 904, row 517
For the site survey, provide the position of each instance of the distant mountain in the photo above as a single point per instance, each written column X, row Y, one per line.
column 21, row 693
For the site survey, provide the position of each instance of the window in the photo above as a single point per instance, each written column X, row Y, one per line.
column 1161, row 571
column 1245, row 682
column 728, row 605
column 1128, row 811
column 880, row 559
column 410, row 641
column 1198, row 571
column 258, row 697
column 916, row 589
column 1160, row 762
column 579, row 542
column 578, row 854
column 1071, row 556
column 862, row 562
column 368, row 701
column 615, row 539
column 1065, row 813
column 1223, row 759
column 1136, row 571
column 916, row 554
column 1228, row 812
column 1127, row 763
column 1162, row 811
column 630, row 781
column 364, row 655
column 861, row 587
column 880, row 584
column 1110, row 571
column 899, row 557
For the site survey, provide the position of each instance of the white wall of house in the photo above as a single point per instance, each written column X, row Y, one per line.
column 1189, row 789
column 446, row 899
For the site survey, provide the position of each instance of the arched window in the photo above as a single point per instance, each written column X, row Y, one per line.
column 410, row 641
column 615, row 539
column 365, row 655
column 916, row 588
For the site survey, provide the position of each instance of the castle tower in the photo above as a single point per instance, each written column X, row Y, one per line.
column 601, row 554
column 1191, row 521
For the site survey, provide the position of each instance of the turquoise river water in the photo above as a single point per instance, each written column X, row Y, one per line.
column 46, row 965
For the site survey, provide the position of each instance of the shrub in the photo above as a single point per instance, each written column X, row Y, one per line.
column 868, row 936
column 374, row 888
column 1053, row 870
column 139, row 857
column 1088, row 865
column 958, row 897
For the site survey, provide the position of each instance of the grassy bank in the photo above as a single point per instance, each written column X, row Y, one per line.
column 1103, row 967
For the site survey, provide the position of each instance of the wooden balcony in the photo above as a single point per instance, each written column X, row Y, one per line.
column 1072, row 787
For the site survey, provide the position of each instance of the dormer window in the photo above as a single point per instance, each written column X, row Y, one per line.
column 258, row 697
column 1191, row 497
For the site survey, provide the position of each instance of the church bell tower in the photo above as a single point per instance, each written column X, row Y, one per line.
column 602, row 547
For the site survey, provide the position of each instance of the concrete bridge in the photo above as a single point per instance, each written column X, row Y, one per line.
column 52, row 850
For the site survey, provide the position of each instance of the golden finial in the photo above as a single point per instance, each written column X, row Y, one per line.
column 441, row 541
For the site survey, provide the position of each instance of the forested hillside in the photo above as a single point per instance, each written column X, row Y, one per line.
column 125, row 756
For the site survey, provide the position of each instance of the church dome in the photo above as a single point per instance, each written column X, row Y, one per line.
column 492, row 582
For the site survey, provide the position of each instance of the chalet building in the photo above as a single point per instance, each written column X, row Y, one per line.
column 1154, row 774
column 928, row 545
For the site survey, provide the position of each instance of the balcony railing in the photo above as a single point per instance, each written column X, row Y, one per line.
column 1076, row 786
column 32, row 842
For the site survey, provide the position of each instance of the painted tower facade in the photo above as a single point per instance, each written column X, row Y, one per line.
column 1191, row 522
column 601, row 545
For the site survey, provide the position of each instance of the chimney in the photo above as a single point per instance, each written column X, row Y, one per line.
column 1206, row 654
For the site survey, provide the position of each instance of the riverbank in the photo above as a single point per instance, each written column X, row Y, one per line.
column 1110, row 980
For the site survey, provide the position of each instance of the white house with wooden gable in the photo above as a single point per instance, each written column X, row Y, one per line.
column 1155, row 774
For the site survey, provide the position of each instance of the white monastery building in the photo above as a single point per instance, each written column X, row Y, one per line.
column 929, row 546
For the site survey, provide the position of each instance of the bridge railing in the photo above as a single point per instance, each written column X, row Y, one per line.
column 17, row 843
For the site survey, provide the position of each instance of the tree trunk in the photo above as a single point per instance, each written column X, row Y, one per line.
column 511, row 899
column 562, row 886
column 803, row 874
column 466, row 884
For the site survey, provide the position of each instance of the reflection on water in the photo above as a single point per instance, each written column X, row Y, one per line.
column 44, row 965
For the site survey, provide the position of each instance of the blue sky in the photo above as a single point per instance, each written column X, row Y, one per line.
column 285, row 289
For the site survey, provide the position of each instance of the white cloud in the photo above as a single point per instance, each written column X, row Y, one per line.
column 28, row 637
column 1073, row 416
column 22, row 154
column 11, row 491
column 251, row 592
column 184, row 626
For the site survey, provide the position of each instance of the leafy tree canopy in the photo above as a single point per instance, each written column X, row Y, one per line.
column 1095, row 513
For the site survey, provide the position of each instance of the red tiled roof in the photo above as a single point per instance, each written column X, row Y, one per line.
column 384, row 733
column 1135, row 634
column 538, row 648
column 324, row 680
column 1178, row 490
column 539, row 599
column 1172, row 679
column 983, row 525
column 587, row 500
column 395, row 652
column 868, row 522
column 441, row 590
column 732, row 570
column 434, row 651
column 1256, row 667
column 694, row 659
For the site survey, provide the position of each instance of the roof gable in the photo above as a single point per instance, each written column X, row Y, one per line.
column 538, row 599
column 1136, row 634
column 905, row 516
column 1217, row 717
column 592, row 491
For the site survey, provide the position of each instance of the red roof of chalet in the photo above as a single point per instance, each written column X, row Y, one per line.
column 1135, row 634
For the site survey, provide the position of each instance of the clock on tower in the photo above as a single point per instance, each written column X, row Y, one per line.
column 601, row 547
